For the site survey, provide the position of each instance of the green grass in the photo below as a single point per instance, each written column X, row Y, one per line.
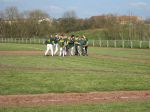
column 139, row 106
column 17, row 47
column 91, row 34
column 40, row 74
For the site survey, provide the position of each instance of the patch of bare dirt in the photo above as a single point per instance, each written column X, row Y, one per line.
column 73, row 98
column 146, row 55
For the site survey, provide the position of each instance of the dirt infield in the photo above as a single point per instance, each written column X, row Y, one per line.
column 22, row 53
column 73, row 98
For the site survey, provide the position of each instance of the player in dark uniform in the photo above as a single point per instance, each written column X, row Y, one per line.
column 76, row 44
column 62, row 44
column 56, row 40
column 71, row 45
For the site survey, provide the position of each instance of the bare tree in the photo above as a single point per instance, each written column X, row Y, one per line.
column 11, row 13
column 37, row 14
column 70, row 14
column 68, row 22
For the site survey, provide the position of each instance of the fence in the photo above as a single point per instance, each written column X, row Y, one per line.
column 22, row 40
column 120, row 43
column 94, row 43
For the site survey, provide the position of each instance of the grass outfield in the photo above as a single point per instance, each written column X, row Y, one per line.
column 18, row 47
column 40, row 74
column 139, row 106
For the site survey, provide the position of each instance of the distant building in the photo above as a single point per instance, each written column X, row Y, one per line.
column 127, row 19
column 120, row 19
column 26, row 20
column 46, row 20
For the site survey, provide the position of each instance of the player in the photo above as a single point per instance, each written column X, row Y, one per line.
column 62, row 45
column 86, row 45
column 71, row 45
column 76, row 44
column 50, row 43
column 56, row 40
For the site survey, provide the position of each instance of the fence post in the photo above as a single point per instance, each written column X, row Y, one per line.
column 100, row 43
column 140, row 44
column 10, row 40
column 131, row 44
column 39, row 41
column 107, row 44
column 93, row 43
column 115, row 44
column 43, row 41
column 5, row 40
column 34, row 40
column 149, row 44
column 30, row 40
column 122, row 43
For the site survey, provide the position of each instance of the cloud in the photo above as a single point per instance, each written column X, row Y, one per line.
column 73, row 8
column 7, row 1
column 55, row 9
column 139, row 4
column 142, row 6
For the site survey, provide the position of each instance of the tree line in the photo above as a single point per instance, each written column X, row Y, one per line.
column 38, row 23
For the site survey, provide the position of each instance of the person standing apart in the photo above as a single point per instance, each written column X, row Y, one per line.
column 50, row 43
column 86, row 45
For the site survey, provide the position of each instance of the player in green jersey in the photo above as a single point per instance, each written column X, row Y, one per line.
column 71, row 45
column 62, row 45
column 49, row 43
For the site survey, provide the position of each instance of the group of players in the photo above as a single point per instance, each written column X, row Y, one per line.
column 73, row 45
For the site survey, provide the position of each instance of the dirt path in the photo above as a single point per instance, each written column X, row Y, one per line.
column 73, row 98
column 92, row 55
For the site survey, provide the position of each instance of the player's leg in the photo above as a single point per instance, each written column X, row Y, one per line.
column 76, row 49
column 60, row 52
column 64, row 52
column 47, row 50
column 79, row 50
column 56, row 49
column 72, row 51
column 86, row 50
column 83, row 51
column 51, row 48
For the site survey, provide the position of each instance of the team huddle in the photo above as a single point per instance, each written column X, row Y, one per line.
column 73, row 45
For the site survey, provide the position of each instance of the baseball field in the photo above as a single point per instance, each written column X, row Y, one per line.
column 108, row 80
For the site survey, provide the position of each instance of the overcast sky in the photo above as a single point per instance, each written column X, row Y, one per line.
column 83, row 8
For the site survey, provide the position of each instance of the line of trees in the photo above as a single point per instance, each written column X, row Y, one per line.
column 37, row 23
